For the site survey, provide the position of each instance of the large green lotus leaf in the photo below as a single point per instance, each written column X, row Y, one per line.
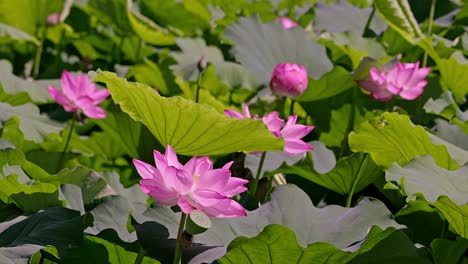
column 28, row 15
column 149, row 73
column 422, row 175
column 19, row 254
column 112, row 13
column 277, row 244
column 113, row 213
column 260, row 47
column 122, row 129
column 148, row 31
column 29, row 198
column 351, row 174
column 330, row 84
column 456, row 215
column 454, row 76
column 16, row 34
column 448, row 251
column 190, row 128
column 411, row 216
column 192, row 50
column 57, row 226
column 188, row 16
column 393, row 138
column 92, row 184
column 398, row 15
column 289, row 206
column 98, row 250
column 12, row 84
column 343, row 16
column 34, row 125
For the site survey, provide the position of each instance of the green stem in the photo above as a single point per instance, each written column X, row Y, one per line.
column 429, row 29
column 369, row 20
column 349, row 127
column 38, row 55
column 257, row 176
column 67, row 142
column 291, row 109
column 359, row 175
column 178, row 248
column 59, row 46
column 141, row 256
column 197, row 94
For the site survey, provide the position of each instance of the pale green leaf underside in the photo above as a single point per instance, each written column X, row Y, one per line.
column 190, row 128
column 422, row 175
column 393, row 138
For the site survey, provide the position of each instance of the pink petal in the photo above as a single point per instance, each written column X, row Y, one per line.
column 204, row 164
column 214, row 179
column 226, row 208
column 171, row 157
column 184, row 205
column 294, row 147
column 99, row 95
column 177, row 179
column 69, row 85
column 206, row 197
column 414, row 92
column 159, row 160
column 57, row 95
column 295, row 130
column 234, row 114
column 95, row 112
column 392, row 88
column 246, row 111
column 145, row 170
column 273, row 122
column 191, row 165
column 159, row 192
column 234, row 186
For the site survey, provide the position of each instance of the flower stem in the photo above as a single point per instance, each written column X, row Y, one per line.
column 60, row 46
column 369, row 20
column 38, row 55
column 291, row 109
column 358, row 177
column 178, row 248
column 140, row 257
column 429, row 29
column 197, row 94
column 67, row 142
column 257, row 176
column 349, row 127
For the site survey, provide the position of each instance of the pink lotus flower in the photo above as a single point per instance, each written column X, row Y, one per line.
column 289, row 79
column 407, row 80
column 53, row 19
column 195, row 185
column 291, row 132
column 79, row 95
column 287, row 23
column 403, row 79
column 376, row 84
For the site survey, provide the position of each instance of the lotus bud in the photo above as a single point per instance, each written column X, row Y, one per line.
column 289, row 79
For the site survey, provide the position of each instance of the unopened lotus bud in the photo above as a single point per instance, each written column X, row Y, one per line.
column 289, row 79
column 53, row 19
